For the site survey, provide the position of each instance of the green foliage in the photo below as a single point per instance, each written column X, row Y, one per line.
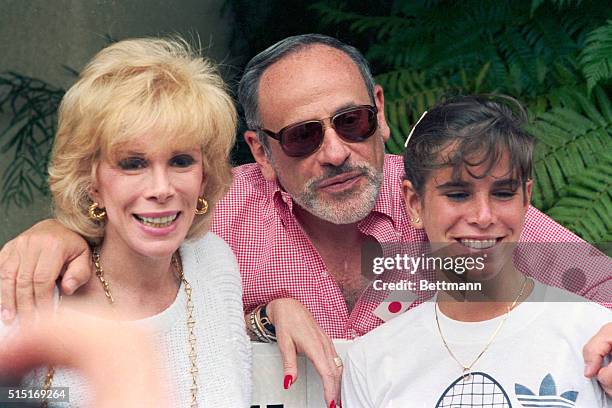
column 555, row 56
column 32, row 105
column 596, row 58
column 569, row 143
column 586, row 206
column 535, row 4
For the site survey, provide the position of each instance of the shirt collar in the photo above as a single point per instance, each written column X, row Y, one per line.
column 384, row 202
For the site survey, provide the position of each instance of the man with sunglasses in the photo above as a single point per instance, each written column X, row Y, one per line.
column 322, row 188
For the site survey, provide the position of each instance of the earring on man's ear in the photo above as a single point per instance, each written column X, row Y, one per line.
column 416, row 220
column 201, row 206
column 96, row 213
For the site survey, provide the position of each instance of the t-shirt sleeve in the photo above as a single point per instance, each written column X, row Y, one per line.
column 354, row 387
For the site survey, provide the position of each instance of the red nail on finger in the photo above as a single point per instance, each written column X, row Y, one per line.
column 288, row 381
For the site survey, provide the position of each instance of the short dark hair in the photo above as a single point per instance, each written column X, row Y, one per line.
column 249, row 83
column 481, row 127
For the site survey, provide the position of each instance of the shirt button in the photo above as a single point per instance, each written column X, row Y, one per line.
column 325, row 273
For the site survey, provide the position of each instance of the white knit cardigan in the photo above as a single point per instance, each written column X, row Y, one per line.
column 223, row 348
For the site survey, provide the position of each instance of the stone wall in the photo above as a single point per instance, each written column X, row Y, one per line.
column 39, row 37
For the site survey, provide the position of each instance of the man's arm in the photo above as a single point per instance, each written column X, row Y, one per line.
column 31, row 263
column 594, row 352
column 298, row 332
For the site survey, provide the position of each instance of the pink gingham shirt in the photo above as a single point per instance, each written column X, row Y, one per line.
column 277, row 259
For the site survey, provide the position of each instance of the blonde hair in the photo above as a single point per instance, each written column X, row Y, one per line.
column 129, row 89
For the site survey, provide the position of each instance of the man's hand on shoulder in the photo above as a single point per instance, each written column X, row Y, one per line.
column 31, row 263
column 594, row 352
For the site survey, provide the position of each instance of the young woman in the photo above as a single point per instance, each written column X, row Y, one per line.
column 508, row 344
column 139, row 161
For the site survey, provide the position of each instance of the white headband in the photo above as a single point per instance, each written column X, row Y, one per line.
column 414, row 127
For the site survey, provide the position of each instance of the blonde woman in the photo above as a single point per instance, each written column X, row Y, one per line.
column 139, row 161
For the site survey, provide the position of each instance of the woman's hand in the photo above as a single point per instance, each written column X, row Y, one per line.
column 298, row 332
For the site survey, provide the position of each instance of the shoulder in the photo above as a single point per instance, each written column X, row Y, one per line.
column 405, row 323
column 568, row 315
column 206, row 248
column 541, row 228
column 394, row 334
column 210, row 257
column 245, row 205
column 394, row 167
column 248, row 180
column 207, row 245
column 393, row 175
column 211, row 268
column 570, row 304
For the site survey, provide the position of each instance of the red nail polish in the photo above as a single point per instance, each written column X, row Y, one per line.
column 332, row 404
column 288, row 381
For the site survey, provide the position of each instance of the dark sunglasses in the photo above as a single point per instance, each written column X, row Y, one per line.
column 354, row 124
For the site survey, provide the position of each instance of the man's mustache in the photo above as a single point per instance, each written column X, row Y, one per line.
column 333, row 171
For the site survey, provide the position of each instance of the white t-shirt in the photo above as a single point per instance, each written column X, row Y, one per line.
column 534, row 361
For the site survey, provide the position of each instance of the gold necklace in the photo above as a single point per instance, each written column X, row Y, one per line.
column 193, row 354
column 467, row 370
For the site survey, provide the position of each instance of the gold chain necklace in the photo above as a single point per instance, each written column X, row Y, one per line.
column 467, row 370
column 193, row 355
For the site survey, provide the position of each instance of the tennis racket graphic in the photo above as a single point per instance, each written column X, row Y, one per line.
column 476, row 390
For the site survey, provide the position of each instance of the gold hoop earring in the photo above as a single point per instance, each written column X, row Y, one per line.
column 416, row 220
column 201, row 206
column 96, row 213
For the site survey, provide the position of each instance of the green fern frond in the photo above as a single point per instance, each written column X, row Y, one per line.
column 334, row 12
column 519, row 56
column 397, row 118
column 596, row 57
column 385, row 25
column 569, row 142
column 407, row 95
column 535, row 4
column 591, row 110
column 547, row 40
column 407, row 83
column 604, row 103
column 586, row 207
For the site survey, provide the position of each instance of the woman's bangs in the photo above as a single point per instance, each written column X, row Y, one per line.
column 165, row 123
